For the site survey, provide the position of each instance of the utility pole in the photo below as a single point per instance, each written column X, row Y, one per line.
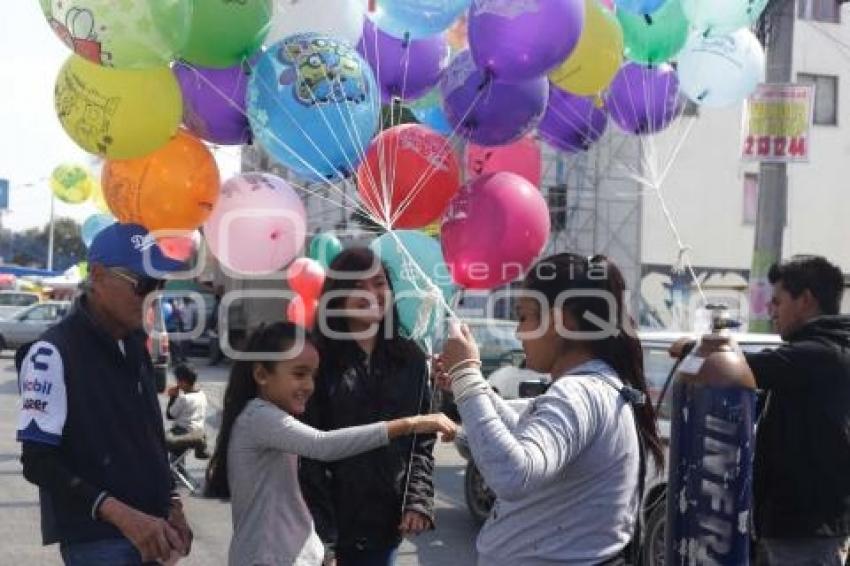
column 51, row 231
column 773, row 177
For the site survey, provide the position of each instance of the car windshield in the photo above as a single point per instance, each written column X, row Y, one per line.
column 17, row 299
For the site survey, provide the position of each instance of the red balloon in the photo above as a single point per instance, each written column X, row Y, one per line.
column 306, row 277
column 522, row 158
column 414, row 170
column 493, row 230
column 180, row 248
column 301, row 312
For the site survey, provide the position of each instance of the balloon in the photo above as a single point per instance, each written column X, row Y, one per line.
column 258, row 226
column 522, row 158
column 180, row 248
column 518, row 41
column 412, row 170
column 302, row 312
column 429, row 111
column 313, row 105
column 608, row 4
column 493, row 230
column 116, row 113
column 488, row 112
column 173, row 188
column 340, row 19
column 418, row 18
column 324, row 248
column 135, row 35
column 458, row 35
column 405, row 69
column 638, row 6
column 572, row 123
column 214, row 103
column 644, row 100
column 414, row 289
column 721, row 70
column 99, row 200
column 72, row 184
column 655, row 38
column 597, row 57
column 93, row 225
column 225, row 33
column 306, row 277
column 723, row 16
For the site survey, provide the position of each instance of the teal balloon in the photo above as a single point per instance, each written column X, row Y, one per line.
column 416, row 19
column 723, row 16
column 655, row 38
column 324, row 248
column 429, row 111
column 408, row 282
column 93, row 225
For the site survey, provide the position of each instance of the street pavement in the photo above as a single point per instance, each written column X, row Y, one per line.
column 452, row 544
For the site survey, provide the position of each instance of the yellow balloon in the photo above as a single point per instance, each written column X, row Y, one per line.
column 597, row 57
column 99, row 200
column 117, row 113
column 72, row 184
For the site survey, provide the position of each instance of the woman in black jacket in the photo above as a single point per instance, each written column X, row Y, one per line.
column 363, row 506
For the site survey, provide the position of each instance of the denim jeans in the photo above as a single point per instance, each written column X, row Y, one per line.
column 107, row 552
column 804, row 552
column 354, row 557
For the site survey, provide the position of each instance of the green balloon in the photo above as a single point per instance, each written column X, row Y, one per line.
column 655, row 38
column 324, row 248
column 225, row 33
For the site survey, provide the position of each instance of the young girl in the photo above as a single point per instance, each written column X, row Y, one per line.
column 256, row 457
column 364, row 505
column 566, row 471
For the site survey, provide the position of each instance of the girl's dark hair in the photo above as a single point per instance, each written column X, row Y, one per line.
column 621, row 348
column 341, row 353
column 241, row 388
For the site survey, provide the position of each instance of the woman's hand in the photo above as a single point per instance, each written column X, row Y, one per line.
column 414, row 523
column 460, row 350
column 439, row 375
column 423, row 424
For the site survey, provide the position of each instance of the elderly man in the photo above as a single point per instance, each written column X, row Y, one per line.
column 90, row 423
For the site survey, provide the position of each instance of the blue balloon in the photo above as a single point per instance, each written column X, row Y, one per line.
column 418, row 18
column 93, row 225
column 429, row 111
column 314, row 105
column 639, row 6
column 409, row 284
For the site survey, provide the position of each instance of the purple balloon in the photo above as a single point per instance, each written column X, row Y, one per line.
column 406, row 69
column 572, row 123
column 214, row 103
column 488, row 112
column 644, row 100
column 517, row 40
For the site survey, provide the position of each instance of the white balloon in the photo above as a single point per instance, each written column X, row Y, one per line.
column 721, row 70
column 340, row 19
column 722, row 16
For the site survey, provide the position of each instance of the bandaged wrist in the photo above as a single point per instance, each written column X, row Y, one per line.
column 467, row 383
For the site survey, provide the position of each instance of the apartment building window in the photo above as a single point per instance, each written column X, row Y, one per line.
column 826, row 97
column 820, row 10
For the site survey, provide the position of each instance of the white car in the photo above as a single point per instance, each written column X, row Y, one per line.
column 29, row 323
column 13, row 301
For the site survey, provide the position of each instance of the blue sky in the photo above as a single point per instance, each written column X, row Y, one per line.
column 32, row 141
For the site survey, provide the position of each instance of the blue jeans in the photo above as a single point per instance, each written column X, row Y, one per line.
column 107, row 552
column 354, row 557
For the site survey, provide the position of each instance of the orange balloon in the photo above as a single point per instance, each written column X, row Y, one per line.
column 173, row 188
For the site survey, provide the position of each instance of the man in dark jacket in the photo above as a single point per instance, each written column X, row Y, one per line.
column 90, row 423
column 802, row 462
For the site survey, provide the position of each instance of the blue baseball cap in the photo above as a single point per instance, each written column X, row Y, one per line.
column 125, row 245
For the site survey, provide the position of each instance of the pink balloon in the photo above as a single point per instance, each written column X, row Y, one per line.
column 258, row 226
column 306, row 277
column 493, row 230
column 522, row 158
column 301, row 312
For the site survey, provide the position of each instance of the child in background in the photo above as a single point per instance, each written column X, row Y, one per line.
column 187, row 407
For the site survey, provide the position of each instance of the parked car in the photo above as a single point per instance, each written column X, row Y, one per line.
column 29, row 323
column 13, row 301
column 657, row 366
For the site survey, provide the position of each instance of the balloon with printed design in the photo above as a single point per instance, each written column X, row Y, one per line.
column 226, row 32
column 116, row 113
column 723, row 16
column 408, row 177
column 123, row 34
column 416, row 19
column 313, row 104
column 644, row 100
column 572, row 123
column 259, row 225
column 174, row 188
column 655, row 38
column 521, row 157
column 72, row 184
column 342, row 20
column 214, row 102
column 519, row 40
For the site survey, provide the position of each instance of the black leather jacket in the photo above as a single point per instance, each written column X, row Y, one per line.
column 357, row 502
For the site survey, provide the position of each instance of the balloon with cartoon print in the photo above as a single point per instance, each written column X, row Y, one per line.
column 72, row 184
column 124, row 34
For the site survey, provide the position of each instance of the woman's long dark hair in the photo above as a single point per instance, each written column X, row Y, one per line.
column 340, row 353
column 621, row 350
column 241, row 388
